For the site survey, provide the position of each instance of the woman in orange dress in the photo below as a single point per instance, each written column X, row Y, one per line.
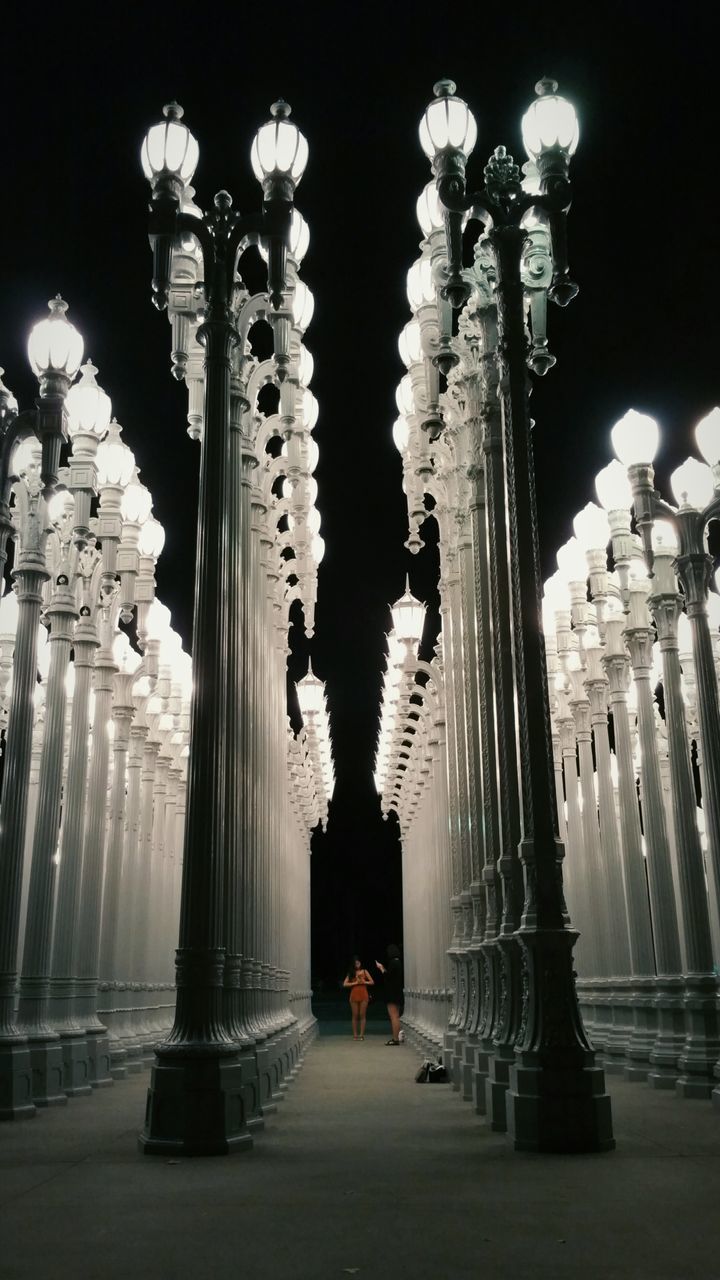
column 358, row 980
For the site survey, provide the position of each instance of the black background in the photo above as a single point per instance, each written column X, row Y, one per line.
column 81, row 84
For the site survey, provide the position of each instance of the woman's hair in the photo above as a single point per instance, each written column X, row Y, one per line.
column 351, row 970
column 393, row 952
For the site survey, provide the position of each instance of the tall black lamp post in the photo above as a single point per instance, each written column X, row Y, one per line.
column 195, row 1097
column 556, row 1100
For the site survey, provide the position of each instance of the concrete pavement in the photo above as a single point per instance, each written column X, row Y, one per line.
column 361, row 1172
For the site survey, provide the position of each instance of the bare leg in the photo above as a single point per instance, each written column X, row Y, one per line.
column 354, row 1012
column 363, row 1015
column 394, row 1016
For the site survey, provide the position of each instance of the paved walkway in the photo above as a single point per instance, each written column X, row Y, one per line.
column 362, row 1172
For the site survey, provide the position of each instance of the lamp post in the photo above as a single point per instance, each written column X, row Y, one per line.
column 556, row 1099
column 696, row 487
column 195, row 1099
column 55, row 350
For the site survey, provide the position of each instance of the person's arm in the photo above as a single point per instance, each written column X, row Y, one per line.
column 379, row 966
column 350, row 982
column 369, row 980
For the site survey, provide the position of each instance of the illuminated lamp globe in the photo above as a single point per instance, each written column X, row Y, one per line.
column 572, row 564
column 410, row 344
column 310, row 409
column 54, row 344
column 313, row 454
column 305, row 367
column 136, row 502
column 157, row 622
column 555, row 592
column 429, row 209
column 401, row 434
column 279, row 152
column 170, row 647
column 169, row 149
column 311, row 693
column 317, row 548
column 408, row 615
column 420, row 284
column 303, row 305
column 115, row 462
column 152, row 538
column 43, row 652
column 404, row 397
column 664, row 538
column 313, row 520
column 592, row 528
column 613, row 487
column 89, row 407
column 60, row 505
column 299, row 240
column 550, row 123
column 635, row 439
column 26, row 456
column 692, row 484
column 126, row 658
column 182, row 672
column 707, row 435
column 448, row 123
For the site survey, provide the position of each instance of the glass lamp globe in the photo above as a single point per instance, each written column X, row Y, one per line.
column 313, row 520
column 707, row 434
column 310, row 410
column 89, row 407
column 157, row 622
column 571, row 561
column 692, row 484
column 170, row 647
column 556, row 593
column 313, row 455
column 303, row 305
column 613, row 487
column 55, row 344
column 299, row 240
column 115, row 462
column 429, row 209
column 448, row 123
column 305, row 367
column 26, row 456
column 59, row 506
column 664, row 538
column 126, row 658
column 420, row 284
column 169, row 148
column 136, row 502
column 550, row 123
column 182, row 671
column 410, row 344
column 408, row 616
column 592, row 528
column 317, row 548
column 279, row 149
column 404, row 397
column 635, row 439
column 43, row 652
column 401, row 434
column 152, row 538
column 311, row 693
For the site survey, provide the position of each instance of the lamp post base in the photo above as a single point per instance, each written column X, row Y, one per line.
column 16, row 1100
column 556, row 1099
column 195, row 1106
column 46, row 1060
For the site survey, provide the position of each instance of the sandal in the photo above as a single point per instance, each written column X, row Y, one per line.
column 392, row 1042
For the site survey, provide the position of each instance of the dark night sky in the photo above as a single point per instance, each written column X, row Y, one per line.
column 81, row 86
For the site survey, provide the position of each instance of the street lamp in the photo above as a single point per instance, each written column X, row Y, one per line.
column 696, row 487
column 196, row 1095
column 536, row 1105
column 55, row 351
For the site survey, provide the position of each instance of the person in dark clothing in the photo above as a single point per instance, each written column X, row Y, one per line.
column 393, row 990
